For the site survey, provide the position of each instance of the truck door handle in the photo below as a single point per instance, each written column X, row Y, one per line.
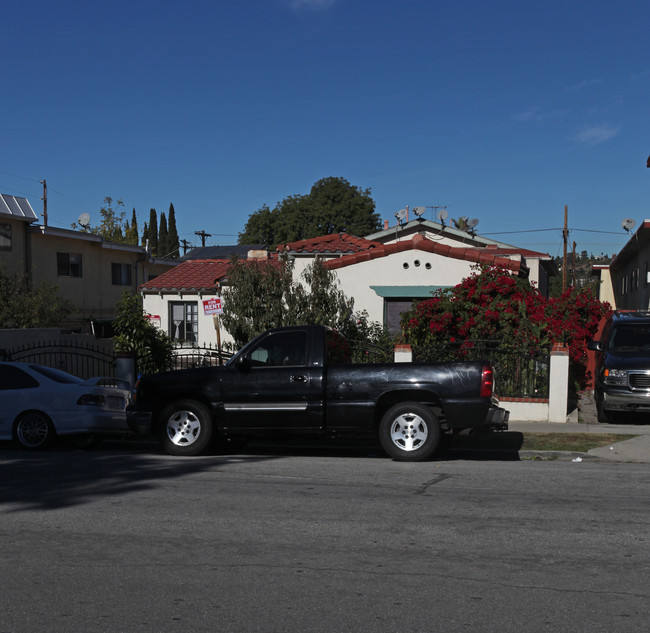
column 298, row 378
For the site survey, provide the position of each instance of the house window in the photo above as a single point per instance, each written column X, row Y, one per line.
column 68, row 264
column 121, row 274
column 184, row 321
column 5, row 237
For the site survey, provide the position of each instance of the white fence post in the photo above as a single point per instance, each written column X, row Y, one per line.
column 558, row 390
column 403, row 354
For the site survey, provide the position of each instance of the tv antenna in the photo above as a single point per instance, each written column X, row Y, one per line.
column 628, row 224
column 84, row 220
column 419, row 211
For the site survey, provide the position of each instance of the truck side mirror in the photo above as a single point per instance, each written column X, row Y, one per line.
column 594, row 346
column 243, row 364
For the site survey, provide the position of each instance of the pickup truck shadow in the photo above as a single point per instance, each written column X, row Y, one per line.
column 502, row 446
column 481, row 447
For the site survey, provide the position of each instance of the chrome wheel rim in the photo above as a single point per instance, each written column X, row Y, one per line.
column 409, row 432
column 183, row 428
column 32, row 430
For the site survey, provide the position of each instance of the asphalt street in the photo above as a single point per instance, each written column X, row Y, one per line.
column 127, row 539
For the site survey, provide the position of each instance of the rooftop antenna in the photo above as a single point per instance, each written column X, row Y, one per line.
column 419, row 212
column 471, row 225
column 628, row 224
column 401, row 215
column 84, row 220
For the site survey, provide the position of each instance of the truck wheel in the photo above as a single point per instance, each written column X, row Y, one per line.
column 186, row 428
column 409, row 432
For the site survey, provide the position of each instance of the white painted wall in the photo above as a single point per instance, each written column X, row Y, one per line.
column 157, row 306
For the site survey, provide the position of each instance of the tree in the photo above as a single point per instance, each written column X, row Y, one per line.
column 172, row 234
column 131, row 233
column 113, row 225
column 145, row 235
column 332, row 205
column 262, row 295
column 152, row 236
column 493, row 305
column 136, row 334
column 22, row 306
column 163, row 243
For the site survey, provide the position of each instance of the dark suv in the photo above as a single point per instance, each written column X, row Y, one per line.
column 623, row 366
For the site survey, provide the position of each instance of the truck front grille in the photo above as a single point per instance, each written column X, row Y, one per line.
column 640, row 380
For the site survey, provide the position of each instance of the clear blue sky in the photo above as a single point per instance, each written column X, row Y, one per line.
column 503, row 110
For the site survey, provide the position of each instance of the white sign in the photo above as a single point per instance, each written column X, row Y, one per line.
column 213, row 306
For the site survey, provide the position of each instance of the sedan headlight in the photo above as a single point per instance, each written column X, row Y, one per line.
column 616, row 376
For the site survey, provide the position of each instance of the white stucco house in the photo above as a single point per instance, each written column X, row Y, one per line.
column 384, row 273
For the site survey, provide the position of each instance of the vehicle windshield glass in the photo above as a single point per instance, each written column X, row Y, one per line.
column 633, row 336
column 56, row 375
column 280, row 349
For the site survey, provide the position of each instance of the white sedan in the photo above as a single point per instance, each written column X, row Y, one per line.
column 39, row 403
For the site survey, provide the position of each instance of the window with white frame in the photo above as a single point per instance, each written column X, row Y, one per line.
column 184, row 321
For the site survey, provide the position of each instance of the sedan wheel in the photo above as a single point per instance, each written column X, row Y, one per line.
column 186, row 428
column 34, row 430
column 409, row 432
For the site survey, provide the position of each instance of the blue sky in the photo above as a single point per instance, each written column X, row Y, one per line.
column 501, row 110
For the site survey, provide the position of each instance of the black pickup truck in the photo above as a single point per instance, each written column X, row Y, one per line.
column 299, row 381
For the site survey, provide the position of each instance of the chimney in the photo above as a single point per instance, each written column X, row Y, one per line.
column 385, row 225
column 258, row 254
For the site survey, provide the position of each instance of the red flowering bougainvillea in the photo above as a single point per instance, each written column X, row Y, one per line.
column 491, row 304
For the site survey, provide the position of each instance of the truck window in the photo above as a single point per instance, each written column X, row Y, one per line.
column 338, row 349
column 281, row 349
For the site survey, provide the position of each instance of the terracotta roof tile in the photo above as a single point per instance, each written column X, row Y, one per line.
column 333, row 243
column 419, row 242
column 196, row 275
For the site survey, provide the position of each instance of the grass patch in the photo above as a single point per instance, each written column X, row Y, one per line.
column 578, row 442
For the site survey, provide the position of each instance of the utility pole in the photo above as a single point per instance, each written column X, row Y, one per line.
column 202, row 235
column 186, row 245
column 44, row 199
column 573, row 275
column 565, row 235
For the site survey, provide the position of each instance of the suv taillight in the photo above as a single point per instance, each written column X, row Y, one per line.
column 487, row 381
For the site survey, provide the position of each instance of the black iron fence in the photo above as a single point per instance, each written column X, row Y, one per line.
column 196, row 356
column 520, row 373
column 82, row 358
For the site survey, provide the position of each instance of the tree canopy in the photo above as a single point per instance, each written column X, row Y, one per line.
column 332, row 206
column 23, row 306
column 263, row 295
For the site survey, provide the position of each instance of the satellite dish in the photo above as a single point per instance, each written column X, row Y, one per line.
column 401, row 214
column 419, row 211
column 84, row 219
column 442, row 215
column 472, row 223
column 628, row 224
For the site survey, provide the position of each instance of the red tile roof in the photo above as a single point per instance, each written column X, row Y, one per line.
column 196, row 275
column 490, row 256
column 334, row 243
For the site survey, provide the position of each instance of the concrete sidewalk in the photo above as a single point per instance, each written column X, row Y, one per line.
column 634, row 450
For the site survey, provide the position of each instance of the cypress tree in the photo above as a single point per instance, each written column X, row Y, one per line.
column 133, row 235
column 172, row 234
column 153, row 232
column 145, row 235
column 163, row 246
